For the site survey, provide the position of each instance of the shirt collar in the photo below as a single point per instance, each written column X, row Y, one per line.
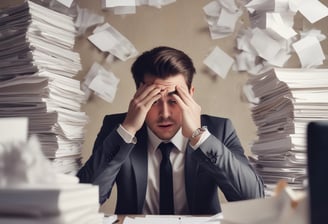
column 178, row 140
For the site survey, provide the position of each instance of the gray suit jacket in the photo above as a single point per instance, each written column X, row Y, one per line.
column 219, row 162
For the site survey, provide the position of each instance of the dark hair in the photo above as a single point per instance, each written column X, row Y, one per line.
column 163, row 62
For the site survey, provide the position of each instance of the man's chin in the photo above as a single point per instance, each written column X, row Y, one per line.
column 165, row 135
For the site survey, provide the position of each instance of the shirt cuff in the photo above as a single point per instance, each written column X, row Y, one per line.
column 202, row 139
column 127, row 137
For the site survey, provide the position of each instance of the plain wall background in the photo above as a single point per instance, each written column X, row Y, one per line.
column 181, row 25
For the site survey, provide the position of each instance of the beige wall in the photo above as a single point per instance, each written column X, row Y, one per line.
column 181, row 25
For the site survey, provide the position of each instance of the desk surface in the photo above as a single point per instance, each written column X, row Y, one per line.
column 170, row 218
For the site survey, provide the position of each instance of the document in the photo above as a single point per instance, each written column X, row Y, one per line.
column 13, row 129
column 283, row 101
column 285, row 207
column 173, row 219
column 219, row 62
column 222, row 17
column 108, row 39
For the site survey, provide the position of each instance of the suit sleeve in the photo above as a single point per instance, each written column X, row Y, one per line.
column 108, row 155
column 222, row 155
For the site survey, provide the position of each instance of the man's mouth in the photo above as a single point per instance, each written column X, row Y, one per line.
column 165, row 125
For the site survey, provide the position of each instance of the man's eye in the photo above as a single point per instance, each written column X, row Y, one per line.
column 172, row 102
column 155, row 102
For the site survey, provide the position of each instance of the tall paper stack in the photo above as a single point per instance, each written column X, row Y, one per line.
column 285, row 101
column 37, row 67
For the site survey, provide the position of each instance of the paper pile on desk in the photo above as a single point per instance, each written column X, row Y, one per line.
column 36, row 80
column 286, row 207
column 283, row 102
column 32, row 192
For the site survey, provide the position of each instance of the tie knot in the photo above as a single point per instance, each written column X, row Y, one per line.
column 166, row 148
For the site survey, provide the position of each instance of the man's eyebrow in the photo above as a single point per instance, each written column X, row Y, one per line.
column 172, row 92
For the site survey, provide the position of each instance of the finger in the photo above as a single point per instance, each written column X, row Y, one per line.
column 144, row 90
column 180, row 102
column 184, row 95
column 146, row 99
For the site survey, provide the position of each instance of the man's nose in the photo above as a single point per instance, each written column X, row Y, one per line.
column 165, row 110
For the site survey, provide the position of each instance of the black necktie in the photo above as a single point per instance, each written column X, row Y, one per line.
column 166, row 181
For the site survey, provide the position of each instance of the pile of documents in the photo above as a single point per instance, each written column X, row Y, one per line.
column 57, row 204
column 286, row 206
column 284, row 101
column 36, row 79
column 31, row 191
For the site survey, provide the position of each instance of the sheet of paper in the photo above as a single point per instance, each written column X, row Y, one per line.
column 85, row 19
column 115, row 3
column 219, row 62
column 275, row 23
column 309, row 52
column 108, row 39
column 222, row 17
column 67, row 3
column 102, row 82
column 173, row 219
column 313, row 10
column 261, row 40
column 13, row 129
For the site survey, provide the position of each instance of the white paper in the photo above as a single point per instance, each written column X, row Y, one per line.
column 102, row 82
column 219, row 62
column 222, row 17
column 108, row 39
column 173, row 219
column 313, row 10
column 261, row 40
column 115, row 3
column 309, row 52
column 67, row 3
column 277, row 25
column 13, row 129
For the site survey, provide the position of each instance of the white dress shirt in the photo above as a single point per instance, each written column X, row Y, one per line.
column 177, row 157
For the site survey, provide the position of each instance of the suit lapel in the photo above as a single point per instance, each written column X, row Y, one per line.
column 139, row 162
column 190, row 173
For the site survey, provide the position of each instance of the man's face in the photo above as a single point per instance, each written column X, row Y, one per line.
column 164, row 117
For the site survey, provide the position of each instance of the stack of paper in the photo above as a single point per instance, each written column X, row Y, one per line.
column 284, row 207
column 36, row 79
column 31, row 191
column 284, row 102
column 61, row 204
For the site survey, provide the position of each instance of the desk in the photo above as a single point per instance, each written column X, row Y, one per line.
column 170, row 218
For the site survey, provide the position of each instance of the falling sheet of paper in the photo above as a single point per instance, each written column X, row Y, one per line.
column 260, row 5
column 107, row 39
column 219, row 62
column 261, row 40
column 222, row 17
column 104, row 83
column 67, row 3
column 309, row 52
column 116, row 3
column 313, row 10
column 85, row 19
column 275, row 24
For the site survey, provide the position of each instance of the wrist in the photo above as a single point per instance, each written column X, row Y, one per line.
column 196, row 135
column 128, row 129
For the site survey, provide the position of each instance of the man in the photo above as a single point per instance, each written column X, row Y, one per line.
column 206, row 153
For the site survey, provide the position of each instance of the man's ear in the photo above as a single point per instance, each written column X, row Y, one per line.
column 192, row 90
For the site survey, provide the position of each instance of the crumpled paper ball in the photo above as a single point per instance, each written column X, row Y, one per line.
column 24, row 163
